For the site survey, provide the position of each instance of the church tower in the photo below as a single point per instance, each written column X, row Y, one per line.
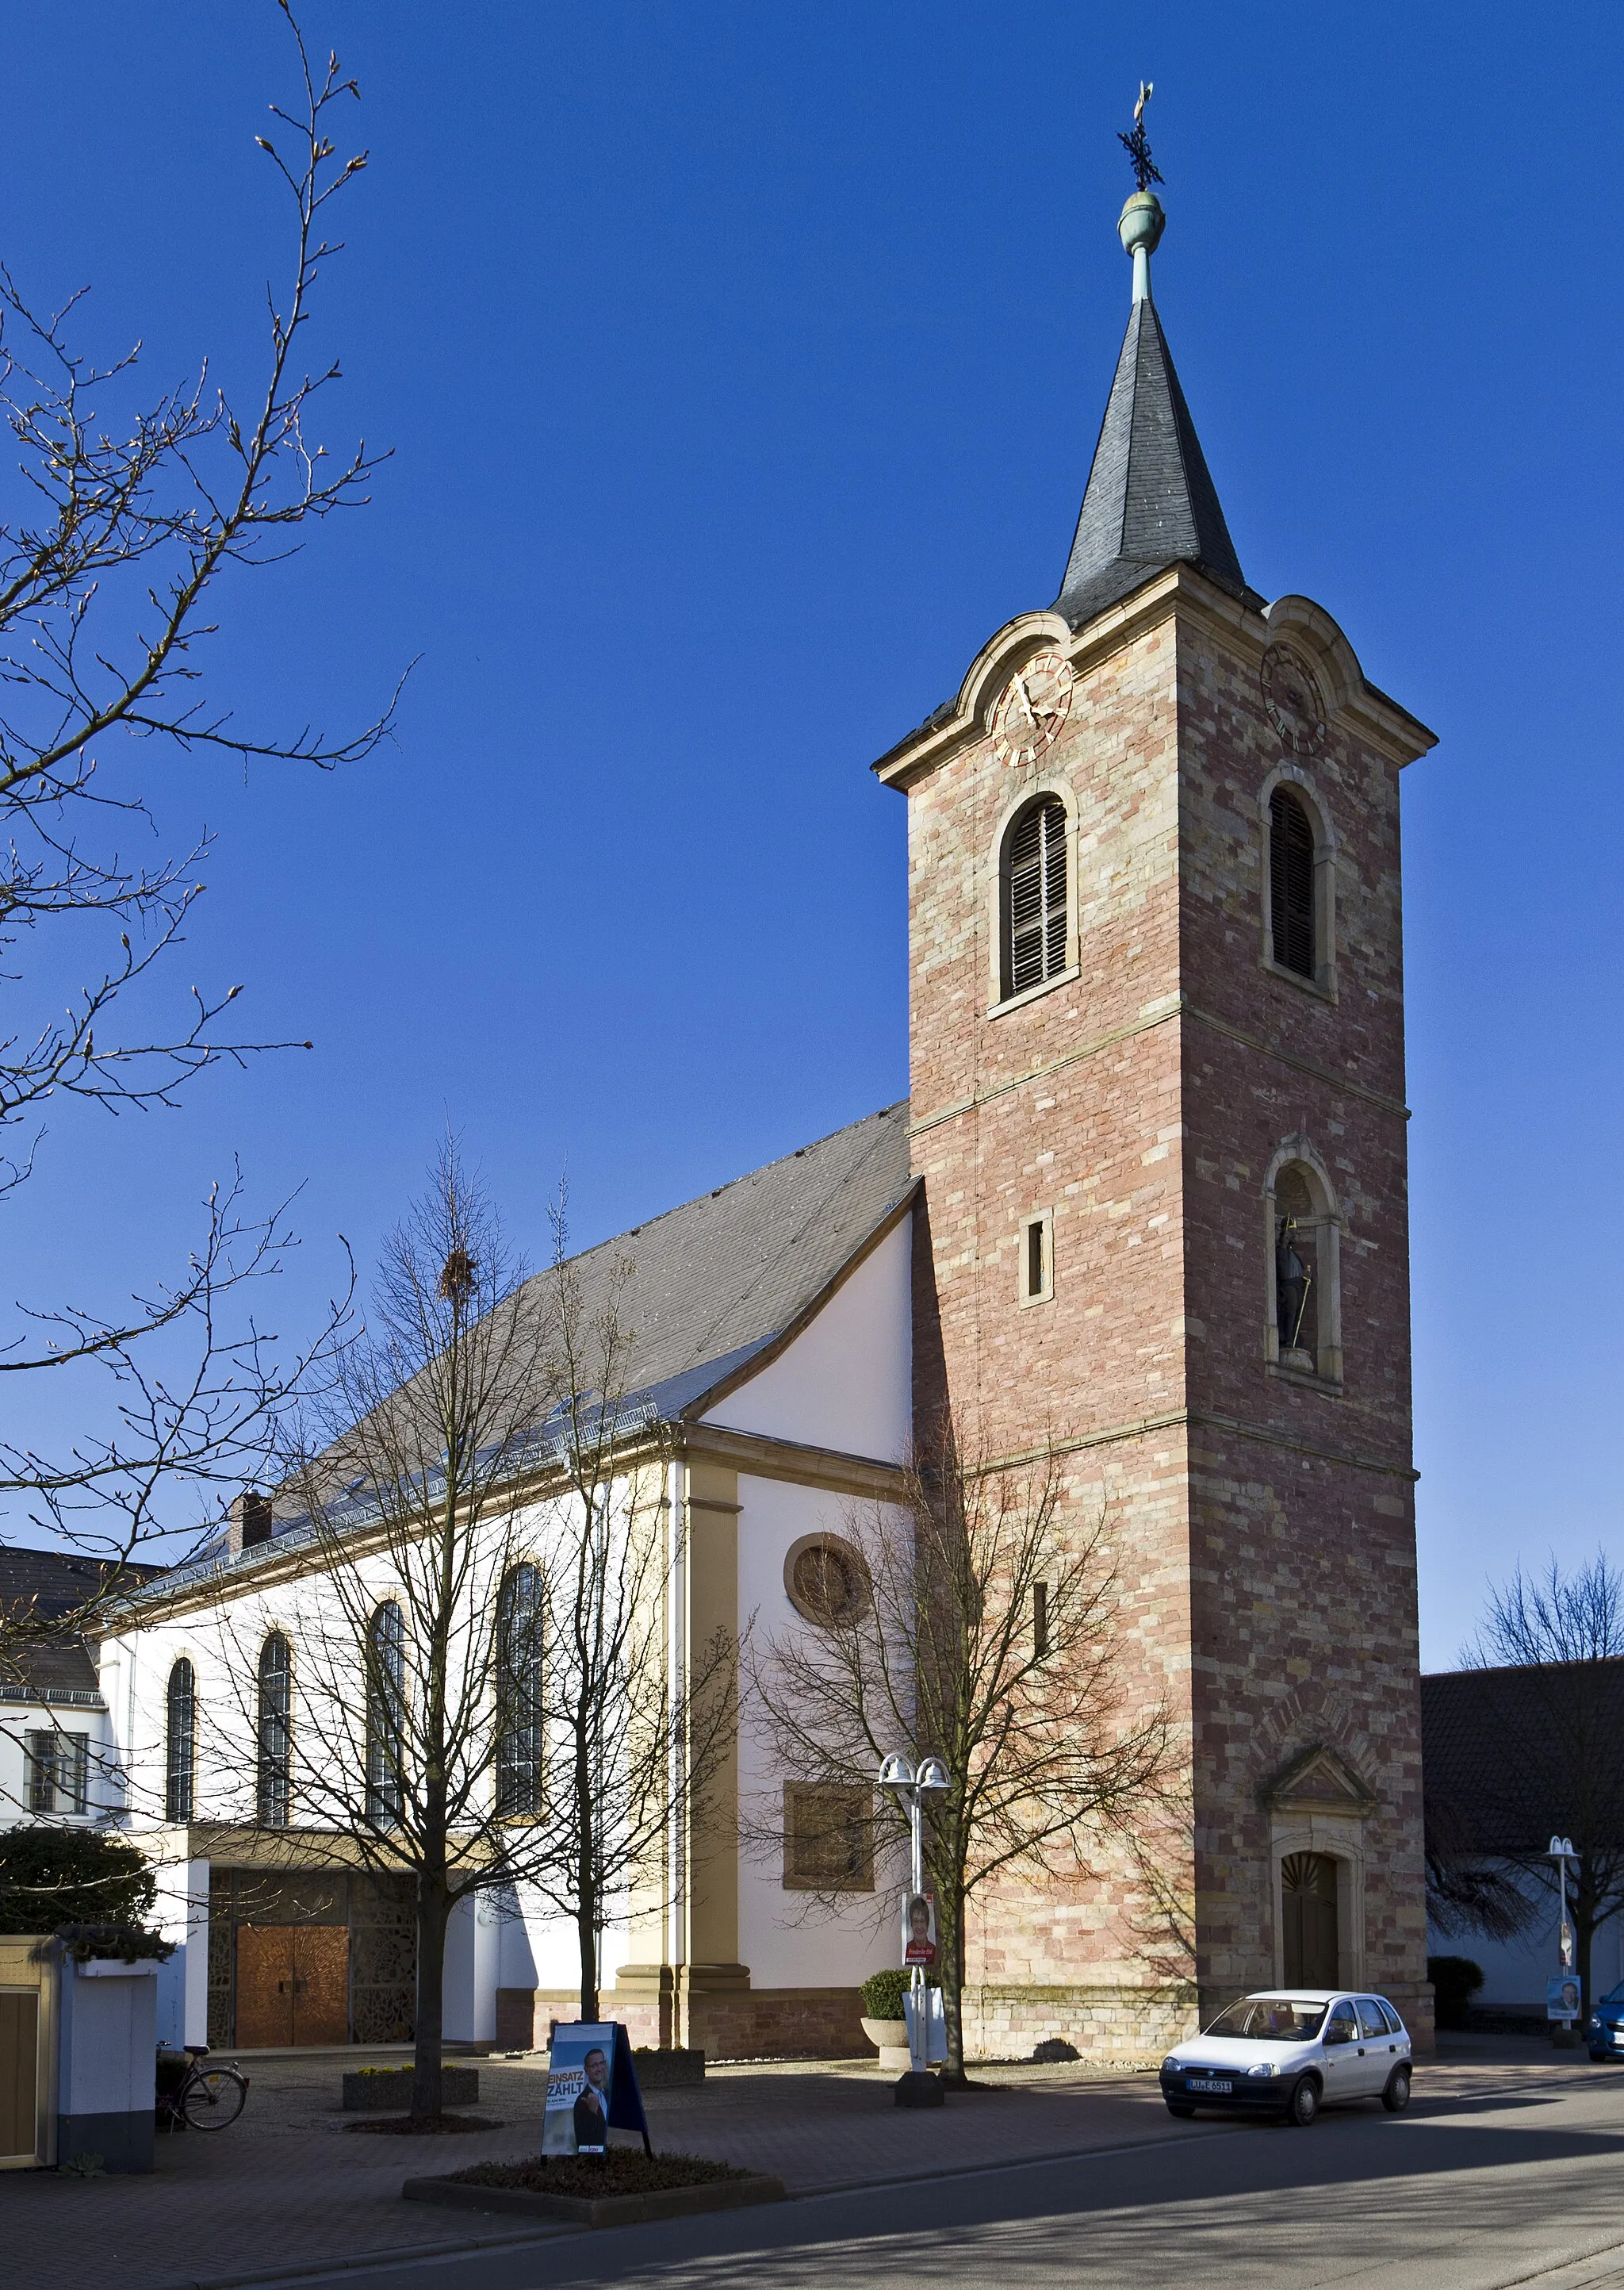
column 1157, row 1106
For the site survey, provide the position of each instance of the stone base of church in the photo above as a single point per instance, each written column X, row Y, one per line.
column 1104, row 2022
column 710, row 2008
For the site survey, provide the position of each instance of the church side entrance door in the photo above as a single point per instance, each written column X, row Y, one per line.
column 293, row 1985
column 1308, row 1898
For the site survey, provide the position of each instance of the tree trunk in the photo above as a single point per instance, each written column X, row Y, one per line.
column 952, row 1971
column 586, row 1929
column 433, row 1908
column 1582, row 1916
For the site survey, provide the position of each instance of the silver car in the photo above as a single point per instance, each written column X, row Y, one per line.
column 1291, row 2051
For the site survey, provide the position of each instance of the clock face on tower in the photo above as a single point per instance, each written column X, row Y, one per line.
column 1031, row 708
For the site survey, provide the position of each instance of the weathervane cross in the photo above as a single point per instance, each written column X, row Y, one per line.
column 1137, row 144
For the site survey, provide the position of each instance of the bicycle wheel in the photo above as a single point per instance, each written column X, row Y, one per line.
column 213, row 2098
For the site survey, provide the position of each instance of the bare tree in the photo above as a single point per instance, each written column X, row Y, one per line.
column 1551, row 1706
column 123, row 515
column 415, row 1630
column 477, row 1629
column 640, row 1726
column 983, row 1632
column 1465, row 1894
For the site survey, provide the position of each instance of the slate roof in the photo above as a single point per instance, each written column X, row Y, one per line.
column 718, row 1280
column 42, row 1585
column 1150, row 500
column 704, row 1289
column 1499, row 1749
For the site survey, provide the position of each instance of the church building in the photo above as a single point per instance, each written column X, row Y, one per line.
column 1145, row 1207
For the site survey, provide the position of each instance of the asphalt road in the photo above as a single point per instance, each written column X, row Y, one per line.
column 1522, row 2182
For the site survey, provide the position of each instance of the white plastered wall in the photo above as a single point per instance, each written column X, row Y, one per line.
column 791, row 1940
column 1515, row 1970
column 515, row 1944
column 846, row 1382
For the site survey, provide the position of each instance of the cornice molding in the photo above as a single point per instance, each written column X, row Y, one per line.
column 1178, row 1005
column 1181, row 589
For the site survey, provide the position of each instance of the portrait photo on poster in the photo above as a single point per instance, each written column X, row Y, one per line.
column 919, row 1928
column 578, row 2090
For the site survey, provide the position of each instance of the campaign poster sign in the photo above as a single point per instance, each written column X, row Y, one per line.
column 919, row 1928
column 579, row 2089
column 1562, row 1997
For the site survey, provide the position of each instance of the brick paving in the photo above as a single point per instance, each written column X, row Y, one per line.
column 285, row 2190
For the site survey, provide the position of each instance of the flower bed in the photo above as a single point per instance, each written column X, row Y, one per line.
column 627, row 2187
column 384, row 2090
column 623, row 2171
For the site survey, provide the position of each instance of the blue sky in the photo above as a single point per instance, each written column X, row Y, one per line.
column 741, row 368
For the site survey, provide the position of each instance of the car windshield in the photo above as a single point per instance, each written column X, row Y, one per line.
column 1270, row 2020
column 1615, row 1995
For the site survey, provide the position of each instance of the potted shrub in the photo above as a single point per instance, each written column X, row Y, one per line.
column 884, row 2023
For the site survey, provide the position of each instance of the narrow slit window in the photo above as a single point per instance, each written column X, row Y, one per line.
column 1040, row 1619
column 1035, row 897
column 1038, row 1259
column 1291, row 882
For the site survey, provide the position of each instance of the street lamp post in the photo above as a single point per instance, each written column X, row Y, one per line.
column 912, row 1785
column 1563, row 2001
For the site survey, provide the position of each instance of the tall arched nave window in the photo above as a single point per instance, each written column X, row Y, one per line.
column 274, row 1732
column 520, row 1726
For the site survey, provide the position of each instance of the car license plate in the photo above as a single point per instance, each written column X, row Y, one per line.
column 1208, row 2083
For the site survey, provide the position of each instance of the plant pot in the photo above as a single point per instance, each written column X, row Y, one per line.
column 890, row 2037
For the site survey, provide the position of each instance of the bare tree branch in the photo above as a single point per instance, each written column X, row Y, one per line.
column 985, row 1635
column 120, row 517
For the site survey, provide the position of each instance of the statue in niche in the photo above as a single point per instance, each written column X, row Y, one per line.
column 1294, row 1299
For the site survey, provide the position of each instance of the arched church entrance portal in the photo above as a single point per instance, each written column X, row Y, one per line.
column 1308, row 1898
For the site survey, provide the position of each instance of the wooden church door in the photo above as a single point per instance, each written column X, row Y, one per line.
column 1308, row 1898
column 293, row 1985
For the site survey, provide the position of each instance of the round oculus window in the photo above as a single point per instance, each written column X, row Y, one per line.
column 827, row 1580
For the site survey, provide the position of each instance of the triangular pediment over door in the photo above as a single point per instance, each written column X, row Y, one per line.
column 1320, row 1781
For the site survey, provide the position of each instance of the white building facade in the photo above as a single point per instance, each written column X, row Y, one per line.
column 773, row 1349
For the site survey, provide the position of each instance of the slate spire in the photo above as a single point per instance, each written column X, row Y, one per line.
column 1150, row 500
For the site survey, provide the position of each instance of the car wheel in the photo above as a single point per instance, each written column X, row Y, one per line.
column 1396, row 2098
column 1303, row 2104
column 1177, row 2107
column 1600, row 2057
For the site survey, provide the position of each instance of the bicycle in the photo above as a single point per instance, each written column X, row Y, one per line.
column 201, row 2099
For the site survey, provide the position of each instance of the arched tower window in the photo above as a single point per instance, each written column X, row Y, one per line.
column 1291, row 883
column 1034, row 902
column 276, row 1730
column 180, row 1743
column 1297, row 1283
column 520, row 1728
column 386, row 1713
column 1305, row 1310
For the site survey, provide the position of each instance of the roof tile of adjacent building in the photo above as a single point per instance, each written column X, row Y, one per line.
column 1493, row 1742
column 43, row 1586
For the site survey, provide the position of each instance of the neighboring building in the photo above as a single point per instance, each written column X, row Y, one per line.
column 54, row 1739
column 1147, row 1201
column 1502, row 1780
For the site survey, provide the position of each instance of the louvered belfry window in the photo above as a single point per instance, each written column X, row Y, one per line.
column 1034, row 911
column 1291, row 882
